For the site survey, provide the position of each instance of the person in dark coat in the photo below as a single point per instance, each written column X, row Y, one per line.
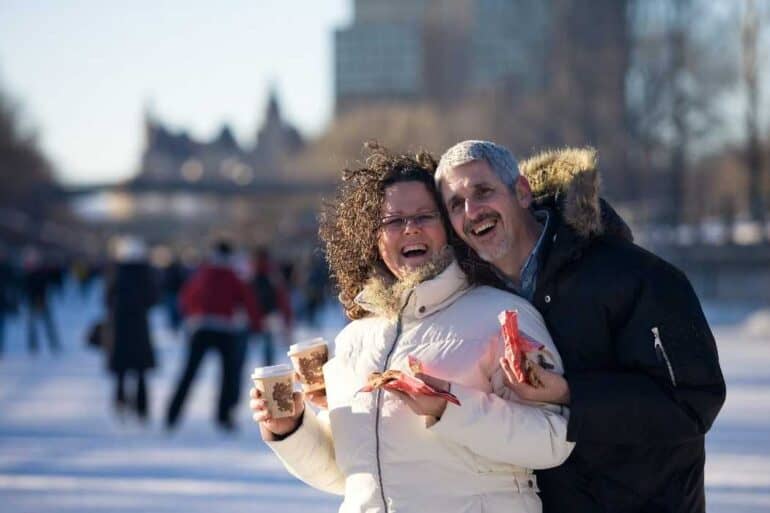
column 9, row 293
column 643, row 381
column 131, row 291
column 38, row 280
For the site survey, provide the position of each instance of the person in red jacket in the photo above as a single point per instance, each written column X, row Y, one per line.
column 212, row 301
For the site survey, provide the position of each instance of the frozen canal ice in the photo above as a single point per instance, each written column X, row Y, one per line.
column 63, row 450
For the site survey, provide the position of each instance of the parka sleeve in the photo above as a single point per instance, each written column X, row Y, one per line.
column 670, row 386
column 499, row 426
column 308, row 454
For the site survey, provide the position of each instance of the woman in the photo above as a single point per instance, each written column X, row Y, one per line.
column 130, row 293
column 386, row 243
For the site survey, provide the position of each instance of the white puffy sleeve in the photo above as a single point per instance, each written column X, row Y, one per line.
column 498, row 425
column 308, row 454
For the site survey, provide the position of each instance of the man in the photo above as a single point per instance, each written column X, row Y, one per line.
column 642, row 380
column 211, row 302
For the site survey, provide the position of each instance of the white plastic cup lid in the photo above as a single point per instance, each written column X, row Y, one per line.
column 302, row 346
column 272, row 371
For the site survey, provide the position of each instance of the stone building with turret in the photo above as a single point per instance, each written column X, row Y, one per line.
column 174, row 156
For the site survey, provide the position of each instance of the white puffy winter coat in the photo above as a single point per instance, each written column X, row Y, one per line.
column 382, row 457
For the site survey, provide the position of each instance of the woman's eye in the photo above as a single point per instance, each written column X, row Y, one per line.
column 391, row 221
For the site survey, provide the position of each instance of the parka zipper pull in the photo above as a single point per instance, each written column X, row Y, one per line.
column 662, row 356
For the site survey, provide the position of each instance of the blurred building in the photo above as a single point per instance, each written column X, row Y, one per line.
column 170, row 157
column 187, row 190
column 439, row 49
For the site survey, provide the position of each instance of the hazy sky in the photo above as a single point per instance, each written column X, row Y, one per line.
column 83, row 71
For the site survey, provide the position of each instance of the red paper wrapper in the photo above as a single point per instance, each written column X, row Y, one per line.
column 415, row 365
column 519, row 348
column 403, row 382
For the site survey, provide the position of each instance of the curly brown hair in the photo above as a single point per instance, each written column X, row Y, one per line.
column 349, row 222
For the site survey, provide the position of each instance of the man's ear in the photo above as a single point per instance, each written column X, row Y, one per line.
column 523, row 192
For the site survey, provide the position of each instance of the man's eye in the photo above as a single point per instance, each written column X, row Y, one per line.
column 454, row 205
column 484, row 192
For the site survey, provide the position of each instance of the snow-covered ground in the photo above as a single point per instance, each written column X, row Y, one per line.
column 63, row 450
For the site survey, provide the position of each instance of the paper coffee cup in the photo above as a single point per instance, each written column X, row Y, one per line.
column 276, row 383
column 308, row 359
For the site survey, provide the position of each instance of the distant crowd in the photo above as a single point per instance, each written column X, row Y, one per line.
column 223, row 300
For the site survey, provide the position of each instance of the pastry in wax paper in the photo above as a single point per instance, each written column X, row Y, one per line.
column 523, row 350
column 400, row 381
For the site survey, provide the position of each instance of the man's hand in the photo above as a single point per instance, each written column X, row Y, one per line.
column 555, row 388
column 425, row 405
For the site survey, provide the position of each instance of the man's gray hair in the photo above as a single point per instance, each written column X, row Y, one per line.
column 498, row 157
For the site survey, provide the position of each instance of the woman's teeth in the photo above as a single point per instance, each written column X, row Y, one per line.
column 414, row 250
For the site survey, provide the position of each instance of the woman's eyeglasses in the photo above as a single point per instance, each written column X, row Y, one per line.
column 395, row 224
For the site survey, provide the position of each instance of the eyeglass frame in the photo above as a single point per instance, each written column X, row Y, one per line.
column 395, row 224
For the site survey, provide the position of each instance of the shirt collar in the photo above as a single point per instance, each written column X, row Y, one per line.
column 528, row 273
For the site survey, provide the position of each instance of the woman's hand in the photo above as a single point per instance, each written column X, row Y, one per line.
column 555, row 388
column 268, row 426
column 317, row 399
column 426, row 405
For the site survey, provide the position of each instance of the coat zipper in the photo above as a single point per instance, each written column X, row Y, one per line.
column 399, row 327
column 662, row 355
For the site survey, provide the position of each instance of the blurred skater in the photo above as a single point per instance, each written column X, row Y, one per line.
column 9, row 293
column 173, row 278
column 130, row 292
column 272, row 294
column 211, row 301
column 37, row 285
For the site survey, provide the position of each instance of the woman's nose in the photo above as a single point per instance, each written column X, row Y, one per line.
column 411, row 226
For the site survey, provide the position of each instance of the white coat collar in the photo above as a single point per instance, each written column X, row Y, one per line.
column 423, row 299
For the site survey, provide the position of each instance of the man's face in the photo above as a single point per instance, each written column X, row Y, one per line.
column 484, row 212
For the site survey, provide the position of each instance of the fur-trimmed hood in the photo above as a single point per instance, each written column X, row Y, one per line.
column 429, row 287
column 570, row 176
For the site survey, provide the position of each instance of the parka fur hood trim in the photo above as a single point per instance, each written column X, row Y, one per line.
column 385, row 296
column 571, row 176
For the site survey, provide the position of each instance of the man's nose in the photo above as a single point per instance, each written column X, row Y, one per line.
column 472, row 209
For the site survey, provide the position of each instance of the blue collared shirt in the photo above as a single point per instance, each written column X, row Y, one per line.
column 528, row 274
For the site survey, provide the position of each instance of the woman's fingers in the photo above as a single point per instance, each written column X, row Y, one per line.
column 318, row 399
column 436, row 383
column 258, row 404
column 262, row 416
column 254, row 393
column 299, row 402
column 409, row 400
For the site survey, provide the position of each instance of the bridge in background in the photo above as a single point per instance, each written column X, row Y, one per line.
column 270, row 188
